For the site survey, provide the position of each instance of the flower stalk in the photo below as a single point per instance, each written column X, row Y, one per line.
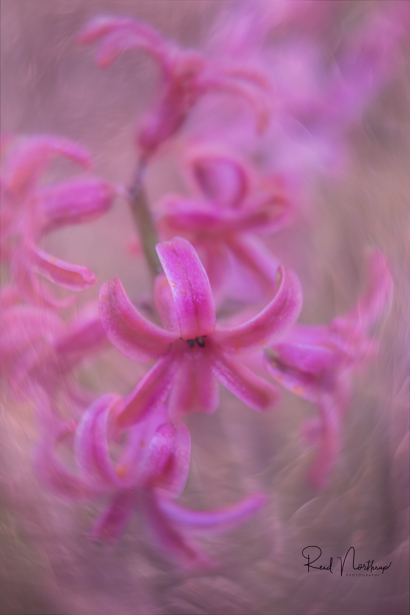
column 144, row 222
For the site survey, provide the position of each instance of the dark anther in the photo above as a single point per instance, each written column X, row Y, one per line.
column 191, row 343
column 201, row 341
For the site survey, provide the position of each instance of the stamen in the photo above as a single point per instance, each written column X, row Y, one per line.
column 191, row 343
column 201, row 341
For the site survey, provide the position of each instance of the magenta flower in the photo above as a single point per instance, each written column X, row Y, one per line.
column 187, row 76
column 232, row 207
column 316, row 363
column 30, row 211
column 147, row 473
column 193, row 353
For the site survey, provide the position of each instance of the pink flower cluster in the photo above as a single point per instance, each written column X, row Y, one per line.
column 135, row 450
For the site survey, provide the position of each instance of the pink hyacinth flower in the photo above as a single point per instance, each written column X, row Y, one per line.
column 187, row 76
column 233, row 207
column 193, row 353
column 316, row 363
column 147, row 473
column 30, row 211
column 38, row 349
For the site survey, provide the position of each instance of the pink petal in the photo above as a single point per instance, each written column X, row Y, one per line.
column 124, row 39
column 252, row 253
column 244, row 384
column 149, row 394
column 186, row 215
column 190, row 287
column 303, row 384
column 62, row 273
column 74, row 202
column 29, row 158
column 250, row 94
column 328, row 446
column 305, row 357
column 131, row 333
column 138, row 438
column 55, row 475
column 221, row 178
column 84, row 336
column 113, row 521
column 278, row 316
column 91, row 442
column 165, row 305
column 213, row 520
column 101, row 25
column 165, row 465
column 195, row 388
column 167, row 536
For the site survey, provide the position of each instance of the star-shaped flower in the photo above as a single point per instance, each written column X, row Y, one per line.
column 193, row 353
column 186, row 76
column 317, row 363
column 233, row 208
column 145, row 473
column 29, row 211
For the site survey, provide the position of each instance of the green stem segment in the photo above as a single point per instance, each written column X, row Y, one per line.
column 145, row 224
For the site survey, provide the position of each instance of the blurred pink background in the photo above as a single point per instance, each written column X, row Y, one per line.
column 50, row 84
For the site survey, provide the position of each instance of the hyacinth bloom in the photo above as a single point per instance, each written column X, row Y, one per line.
column 38, row 349
column 316, row 363
column 232, row 208
column 187, row 76
column 29, row 211
column 193, row 353
column 145, row 474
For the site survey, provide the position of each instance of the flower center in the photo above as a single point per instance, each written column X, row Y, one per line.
column 199, row 340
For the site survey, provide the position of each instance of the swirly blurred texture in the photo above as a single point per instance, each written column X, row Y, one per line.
column 293, row 116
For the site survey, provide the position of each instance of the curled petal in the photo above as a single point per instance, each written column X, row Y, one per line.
column 125, row 39
column 149, row 394
column 248, row 93
column 304, row 357
column 110, row 525
column 221, row 178
column 167, row 536
column 28, row 160
column 74, row 202
column 190, row 287
column 139, row 437
column 166, row 462
column 214, row 520
column 131, row 333
column 91, row 442
column 27, row 283
column 278, row 316
column 243, row 383
column 54, row 473
column 62, row 273
column 195, row 388
column 101, row 25
column 185, row 215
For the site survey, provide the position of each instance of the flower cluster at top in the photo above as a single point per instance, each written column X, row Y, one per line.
column 135, row 450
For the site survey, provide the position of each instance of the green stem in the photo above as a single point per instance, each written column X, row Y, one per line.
column 145, row 224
